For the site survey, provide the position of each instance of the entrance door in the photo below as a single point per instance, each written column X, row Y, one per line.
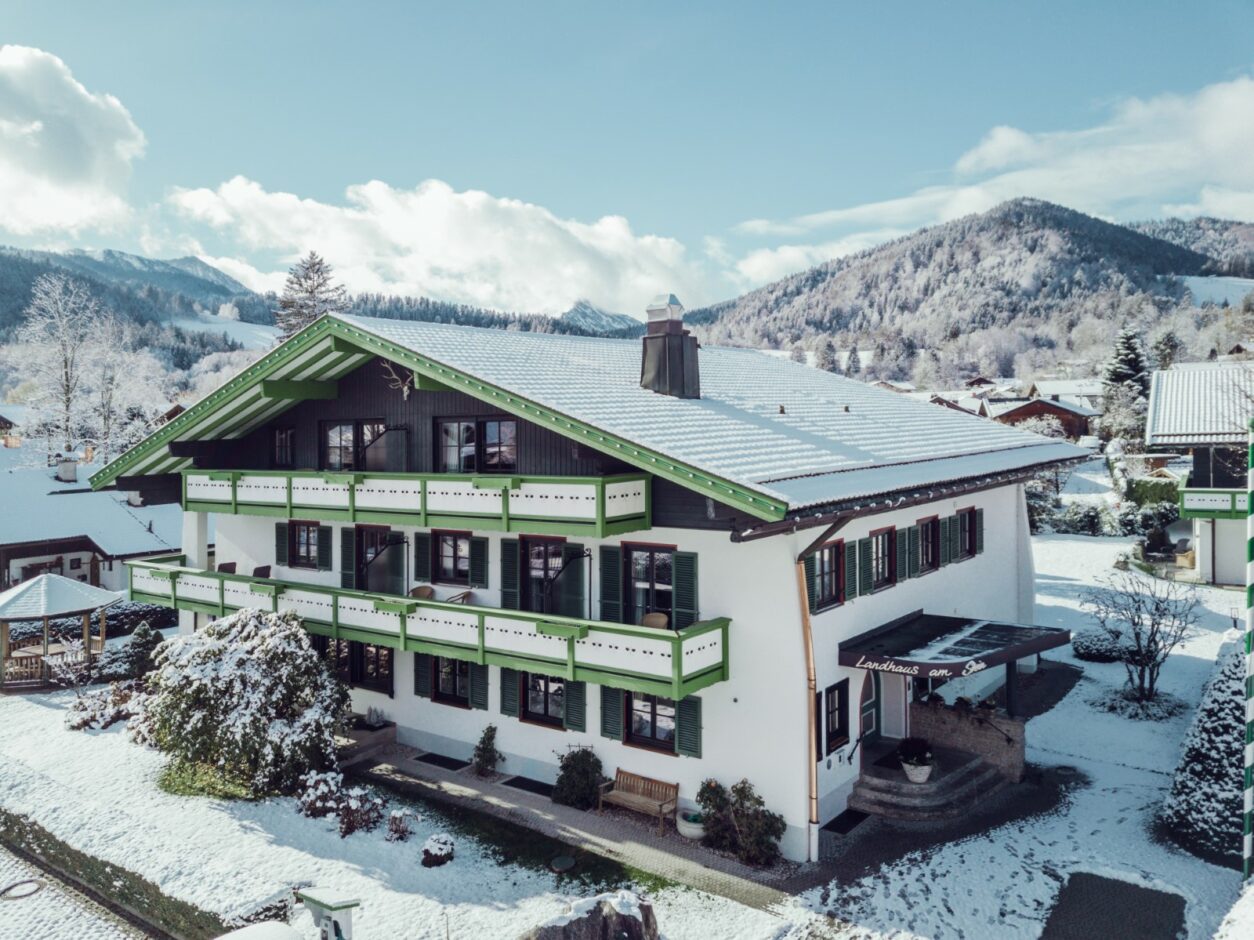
column 870, row 708
column 93, row 571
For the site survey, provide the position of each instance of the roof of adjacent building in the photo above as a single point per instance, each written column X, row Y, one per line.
column 1200, row 403
column 999, row 407
column 52, row 595
column 776, row 434
column 1084, row 388
column 37, row 507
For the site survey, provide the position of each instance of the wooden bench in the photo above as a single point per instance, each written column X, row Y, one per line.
column 642, row 794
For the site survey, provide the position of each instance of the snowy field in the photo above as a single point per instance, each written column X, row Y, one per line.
column 1216, row 290
column 250, row 335
column 1089, row 483
column 97, row 792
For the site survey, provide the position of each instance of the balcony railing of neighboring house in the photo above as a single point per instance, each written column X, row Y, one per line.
column 542, row 505
column 1205, row 503
column 670, row 663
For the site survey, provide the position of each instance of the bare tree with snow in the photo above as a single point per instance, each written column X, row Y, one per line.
column 308, row 294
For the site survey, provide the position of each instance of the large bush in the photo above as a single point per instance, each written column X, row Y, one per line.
column 1203, row 810
column 249, row 696
column 739, row 822
column 578, row 778
column 134, row 659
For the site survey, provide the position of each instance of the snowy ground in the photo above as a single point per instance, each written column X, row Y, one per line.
column 250, row 335
column 53, row 912
column 96, row 791
column 1216, row 290
column 1089, row 483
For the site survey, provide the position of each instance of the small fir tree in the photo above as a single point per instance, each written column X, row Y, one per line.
column 853, row 365
column 798, row 353
column 308, row 294
column 486, row 755
column 827, row 357
column 1128, row 366
column 1166, row 350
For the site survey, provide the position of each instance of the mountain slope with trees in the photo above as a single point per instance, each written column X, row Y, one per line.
column 1229, row 244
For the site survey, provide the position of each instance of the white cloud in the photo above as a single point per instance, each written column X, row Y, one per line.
column 466, row 247
column 1171, row 154
column 763, row 265
column 65, row 152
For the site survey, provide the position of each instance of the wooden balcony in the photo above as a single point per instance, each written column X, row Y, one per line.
column 660, row 662
column 1205, row 503
column 595, row 506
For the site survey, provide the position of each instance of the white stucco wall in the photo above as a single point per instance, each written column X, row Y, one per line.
column 1220, row 550
column 756, row 724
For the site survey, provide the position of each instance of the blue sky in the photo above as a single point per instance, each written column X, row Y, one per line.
column 522, row 155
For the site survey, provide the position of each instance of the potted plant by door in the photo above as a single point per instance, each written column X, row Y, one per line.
column 915, row 755
column 690, row 824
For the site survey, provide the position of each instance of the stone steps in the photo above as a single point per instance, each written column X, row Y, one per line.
column 952, row 793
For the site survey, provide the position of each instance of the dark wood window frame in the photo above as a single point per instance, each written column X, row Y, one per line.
column 836, row 707
column 651, row 740
column 461, row 674
column 350, row 659
column 929, row 544
column 437, row 554
column 966, row 533
column 482, row 448
column 283, row 448
column 306, row 555
column 524, row 700
column 356, row 445
column 524, row 563
column 829, row 580
column 628, row 585
column 888, row 558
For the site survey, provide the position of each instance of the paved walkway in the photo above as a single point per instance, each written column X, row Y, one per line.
column 1093, row 906
column 614, row 834
column 55, row 911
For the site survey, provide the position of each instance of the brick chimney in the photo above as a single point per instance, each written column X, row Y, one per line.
column 668, row 363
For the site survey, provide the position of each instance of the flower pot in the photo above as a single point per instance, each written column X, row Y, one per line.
column 688, row 828
column 917, row 773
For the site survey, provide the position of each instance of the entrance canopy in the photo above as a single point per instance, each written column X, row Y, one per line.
column 939, row 647
column 51, row 595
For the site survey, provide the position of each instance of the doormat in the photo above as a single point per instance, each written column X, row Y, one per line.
column 843, row 824
column 890, row 760
column 439, row 760
column 531, row 786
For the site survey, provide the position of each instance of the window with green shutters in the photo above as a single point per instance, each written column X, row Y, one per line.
column 684, row 573
column 912, row 552
column 422, row 674
column 611, row 575
column 570, row 590
column 509, row 574
column 576, row 706
column 324, row 547
column 348, row 557
column 812, row 587
column 509, row 692
column 478, row 686
column 478, row 562
column 864, row 566
column 945, row 543
column 852, row 588
column 280, row 543
column 612, row 713
column 901, row 567
column 979, row 531
column 422, row 556
column 688, row 727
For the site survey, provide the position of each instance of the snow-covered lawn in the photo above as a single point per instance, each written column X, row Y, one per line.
column 1089, row 483
column 97, row 792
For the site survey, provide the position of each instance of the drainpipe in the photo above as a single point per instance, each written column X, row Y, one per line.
column 812, row 689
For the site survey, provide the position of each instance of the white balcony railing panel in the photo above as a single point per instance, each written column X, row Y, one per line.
column 617, row 651
column 360, row 612
column 555, row 501
column 625, row 499
column 458, row 497
column 508, row 635
column 200, row 487
column 383, row 495
column 196, row 587
column 308, row 491
column 702, row 651
column 444, row 626
column 266, row 491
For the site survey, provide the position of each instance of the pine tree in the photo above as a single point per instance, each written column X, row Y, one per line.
column 827, row 357
column 308, row 294
column 798, row 354
column 854, row 363
column 1127, row 365
column 1166, row 350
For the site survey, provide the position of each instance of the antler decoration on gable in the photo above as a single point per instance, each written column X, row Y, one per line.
column 405, row 384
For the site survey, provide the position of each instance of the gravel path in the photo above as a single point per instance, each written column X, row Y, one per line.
column 55, row 911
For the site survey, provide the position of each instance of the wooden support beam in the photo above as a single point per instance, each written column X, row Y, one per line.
column 299, row 391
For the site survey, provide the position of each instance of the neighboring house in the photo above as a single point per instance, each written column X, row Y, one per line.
column 698, row 562
column 1073, row 418
column 890, row 385
column 1205, row 408
column 1089, row 393
column 68, row 529
column 11, row 419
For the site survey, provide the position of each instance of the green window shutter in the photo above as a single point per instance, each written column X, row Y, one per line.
column 684, row 585
column 979, row 531
column 864, row 566
column 850, row 551
column 422, row 674
column 944, row 541
column 325, row 534
column 955, row 538
column 812, row 584
column 688, row 727
column 611, row 712
column 478, row 686
column 509, row 692
column 572, row 599
column 901, row 569
column 611, row 565
column 280, row 543
column 422, row 556
column 479, row 562
column 574, row 706
column 348, row 557
column 913, row 552
column 820, row 750
column 509, row 574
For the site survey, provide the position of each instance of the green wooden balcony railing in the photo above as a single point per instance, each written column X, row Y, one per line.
column 1202, row 503
column 670, row 663
column 543, row 505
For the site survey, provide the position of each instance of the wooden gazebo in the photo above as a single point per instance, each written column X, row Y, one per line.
column 48, row 597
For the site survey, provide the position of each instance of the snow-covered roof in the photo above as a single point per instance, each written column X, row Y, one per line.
column 764, row 425
column 1205, row 403
column 999, row 407
column 51, row 595
column 36, row 506
column 1088, row 388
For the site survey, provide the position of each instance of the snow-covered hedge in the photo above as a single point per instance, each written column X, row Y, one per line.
column 248, row 695
column 121, row 619
column 132, row 660
column 1095, row 646
column 1203, row 810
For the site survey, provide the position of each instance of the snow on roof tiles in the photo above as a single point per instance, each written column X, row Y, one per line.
column 36, row 507
column 1201, row 404
column 799, row 434
column 52, row 595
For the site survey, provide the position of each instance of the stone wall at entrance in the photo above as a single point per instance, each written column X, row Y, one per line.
column 993, row 735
